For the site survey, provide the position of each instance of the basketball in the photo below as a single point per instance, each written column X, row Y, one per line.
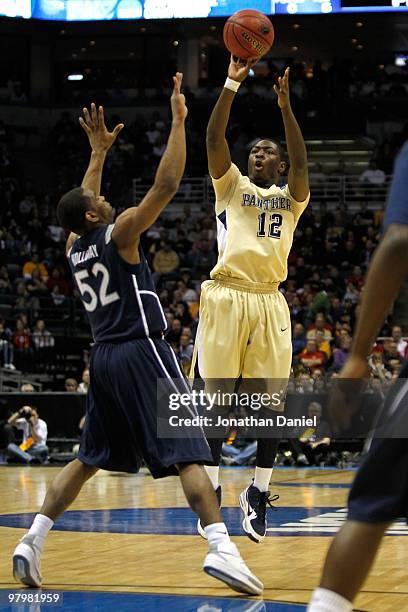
column 248, row 34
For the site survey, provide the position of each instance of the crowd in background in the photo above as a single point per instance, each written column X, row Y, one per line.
column 327, row 264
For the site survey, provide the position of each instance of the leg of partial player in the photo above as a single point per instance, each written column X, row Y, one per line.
column 255, row 497
column 223, row 560
column 63, row 491
column 213, row 468
column 348, row 562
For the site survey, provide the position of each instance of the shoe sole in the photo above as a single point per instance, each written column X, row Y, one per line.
column 246, row 523
column 21, row 571
column 236, row 583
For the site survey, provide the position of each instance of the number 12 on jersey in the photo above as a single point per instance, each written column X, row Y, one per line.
column 275, row 223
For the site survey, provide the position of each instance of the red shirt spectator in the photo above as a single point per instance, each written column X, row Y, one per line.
column 311, row 357
column 20, row 337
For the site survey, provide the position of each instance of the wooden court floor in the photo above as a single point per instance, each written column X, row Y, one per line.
column 131, row 534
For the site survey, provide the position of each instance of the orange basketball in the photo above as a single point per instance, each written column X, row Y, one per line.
column 248, row 34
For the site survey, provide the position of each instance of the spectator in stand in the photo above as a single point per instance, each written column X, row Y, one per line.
column 44, row 343
column 298, row 339
column 323, row 344
column 35, row 264
column 202, row 258
column 23, row 300
column 187, row 294
column 372, row 175
column 402, row 344
column 174, row 333
column 57, row 280
column 311, row 357
column 27, row 388
column 57, row 297
column 320, row 324
column 22, row 346
column 165, row 262
column 36, row 286
column 313, row 444
column 84, row 384
column 340, row 355
column 182, row 313
column 378, row 370
column 5, row 282
column 71, row 385
column 34, row 445
column 6, row 347
column 391, row 356
column 186, row 348
column 356, row 278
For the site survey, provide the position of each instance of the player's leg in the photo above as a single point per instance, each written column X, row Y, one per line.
column 347, row 565
column 63, row 491
column 221, row 339
column 223, row 560
column 378, row 496
column 268, row 357
column 143, row 362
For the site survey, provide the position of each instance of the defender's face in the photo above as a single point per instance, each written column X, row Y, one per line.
column 100, row 207
column 264, row 162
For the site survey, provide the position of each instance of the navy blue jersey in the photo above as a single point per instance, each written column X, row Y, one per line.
column 120, row 298
column 397, row 206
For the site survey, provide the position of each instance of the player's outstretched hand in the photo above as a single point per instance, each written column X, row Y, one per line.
column 238, row 70
column 93, row 124
column 178, row 100
column 282, row 89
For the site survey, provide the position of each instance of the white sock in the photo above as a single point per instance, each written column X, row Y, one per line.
column 324, row 600
column 40, row 528
column 217, row 533
column 262, row 478
column 213, row 474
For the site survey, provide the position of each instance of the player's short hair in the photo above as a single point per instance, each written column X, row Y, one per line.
column 71, row 210
column 280, row 149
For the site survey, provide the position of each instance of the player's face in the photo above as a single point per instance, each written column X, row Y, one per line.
column 264, row 162
column 100, row 207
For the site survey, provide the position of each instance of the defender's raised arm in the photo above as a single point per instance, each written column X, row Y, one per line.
column 131, row 223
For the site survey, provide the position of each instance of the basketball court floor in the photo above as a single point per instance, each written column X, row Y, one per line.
column 130, row 543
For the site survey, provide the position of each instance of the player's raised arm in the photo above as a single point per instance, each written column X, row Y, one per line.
column 298, row 179
column 100, row 140
column 219, row 158
column 135, row 220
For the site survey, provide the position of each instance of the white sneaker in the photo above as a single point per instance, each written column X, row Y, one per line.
column 27, row 562
column 225, row 563
column 11, row 366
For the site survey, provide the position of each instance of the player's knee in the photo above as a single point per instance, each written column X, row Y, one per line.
column 86, row 471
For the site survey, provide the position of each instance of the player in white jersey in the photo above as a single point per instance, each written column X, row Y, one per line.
column 245, row 328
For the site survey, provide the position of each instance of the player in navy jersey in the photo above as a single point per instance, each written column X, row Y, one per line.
column 379, row 494
column 129, row 356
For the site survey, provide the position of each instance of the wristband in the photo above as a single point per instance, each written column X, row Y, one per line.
column 232, row 85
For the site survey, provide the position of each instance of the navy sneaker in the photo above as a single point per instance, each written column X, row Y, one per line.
column 253, row 504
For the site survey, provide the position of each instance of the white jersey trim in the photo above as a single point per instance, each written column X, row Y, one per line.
column 108, row 234
column 160, row 306
column 140, row 303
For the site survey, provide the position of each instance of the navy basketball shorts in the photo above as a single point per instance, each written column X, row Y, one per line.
column 121, row 412
column 379, row 492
